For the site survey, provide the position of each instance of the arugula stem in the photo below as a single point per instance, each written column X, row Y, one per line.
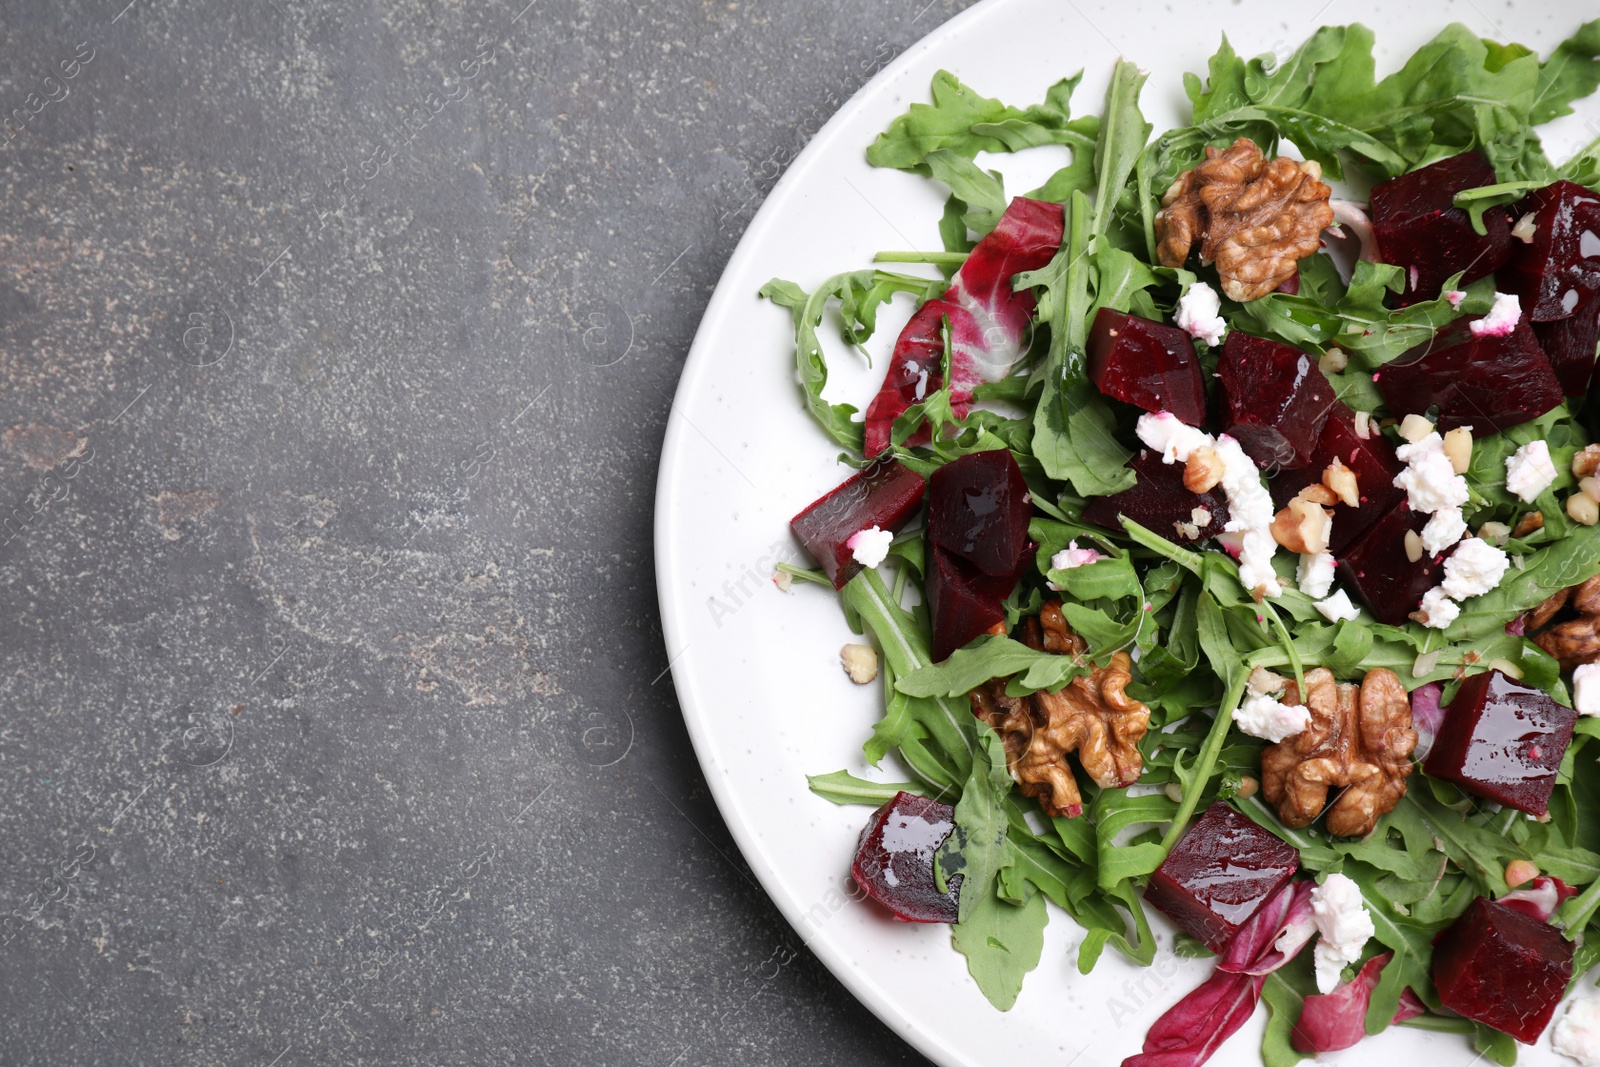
column 1577, row 912
column 1206, row 762
column 1288, row 645
column 943, row 259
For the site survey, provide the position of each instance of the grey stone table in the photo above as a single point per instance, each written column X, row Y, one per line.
column 337, row 345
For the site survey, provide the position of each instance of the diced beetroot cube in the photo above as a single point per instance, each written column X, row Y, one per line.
column 978, row 508
column 894, row 859
column 1489, row 383
column 1501, row 968
column 1371, row 460
column 1560, row 266
column 1377, row 568
column 1273, row 399
column 884, row 495
column 1419, row 228
column 963, row 601
column 1569, row 344
column 1504, row 741
column 1159, row 502
column 1147, row 364
column 1219, row 874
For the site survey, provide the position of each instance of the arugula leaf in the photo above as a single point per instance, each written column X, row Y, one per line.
column 842, row 787
column 982, row 191
column 1571, row 73
column 992, row 657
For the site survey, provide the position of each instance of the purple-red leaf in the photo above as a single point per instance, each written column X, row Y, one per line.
column 1274, row 934
column 988, row 321
column 1427, row 715
column 1540, row 899
column 1333, row 1021
column 1410, row 1007
column 1197, row 1025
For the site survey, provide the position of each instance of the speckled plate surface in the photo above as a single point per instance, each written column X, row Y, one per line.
column 757, row 671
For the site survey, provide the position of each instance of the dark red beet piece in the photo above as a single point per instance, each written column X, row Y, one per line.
column 1371, row 460
column 1419, row 229
column 1569, row 344
column 978, row 509
column 1219, row 874
column 1555, row 271
column 1377, row 569
column 1273, row 399
column 1159, row 502
column 1489, row 383
column 884, row 495
column 1504, row 741
column 1501, row 968
column 1147, row 364
column 963, row 601
column 894, row 859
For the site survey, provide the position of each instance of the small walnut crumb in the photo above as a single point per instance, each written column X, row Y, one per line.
column 1525, row 228
column 1318, row 493
column 1203, row 470
column 1187, row 530
column 1586, row 462
column 1458, row 448
column 1532, row 521
column 1201, row 516
column 1302, row 527
column 784, row 581
column 1581, row 508
column 1342, row 481
column 860, row 662
column 1414, row 428
column 1413, row 546
column 1363, row 425
column 1333, row 361
column 1263, row 682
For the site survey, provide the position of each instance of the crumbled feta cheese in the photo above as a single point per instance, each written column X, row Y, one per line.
column 1438, row 611
column 1337, row 608
column 1474, row 568
column 1444, row 529
column 1344, row 924
column 1586, row 689
column 1578, row 1033
column 1197, row 314
column 1455, row 296
column 1073, row 556
column 860, row 662
column 1170, row 438
column 1503, row 316
column 1525, row 228
column 1314, row 575
column 1262, row 716
column 1529, row 471
column 870, row 547
column 1430, row 481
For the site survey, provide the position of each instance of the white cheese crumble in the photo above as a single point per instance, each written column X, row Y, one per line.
column 870, row 547
column 1314, row 575
column 1073, row 556
column 1338, row 608
column 1455, row 296
column 1502, row 319
column 1262, row 716
column 1586, row 689
column 1430, row 481
column 1250, row 507
column 1529, row 471
column 1444, row 529
column 1197, row 316
column 1474, row 568
column 1344, row 924
column 1578, row 1033
column 1438, row 610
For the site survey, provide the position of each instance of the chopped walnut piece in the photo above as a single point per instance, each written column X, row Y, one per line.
column 1341, row 481
column 1303, row 526
column 1254, row 218
column 1532, row 521
column 860, row 662
column 1567, row 625
column 1091, row 716
column 1586, row 462
column 1203, row 470
column 1359, row 738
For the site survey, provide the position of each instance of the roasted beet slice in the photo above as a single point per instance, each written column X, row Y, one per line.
column 1371, row 459
column 1419, row 228
column 1501, row 968
column 1273, row 399
column 1159, row 502
column 894, row 859
column 963, row 601
column 884, row 495
column 1504, row 741
column 1569, row 344
column 978, row 509
column 1147, row 364
column 1489, row 383
column 1219, row 873
column 1377, row 569
column 1560, row 266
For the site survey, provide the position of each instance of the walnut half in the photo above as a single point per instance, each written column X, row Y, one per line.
column 1359, row 738
column 1255, row 218
column 1091, row 715
column 1572, row 639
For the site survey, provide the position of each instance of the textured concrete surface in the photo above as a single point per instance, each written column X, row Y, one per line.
column 336, row 348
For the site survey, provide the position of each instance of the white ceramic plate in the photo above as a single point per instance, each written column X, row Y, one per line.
column 757, row 671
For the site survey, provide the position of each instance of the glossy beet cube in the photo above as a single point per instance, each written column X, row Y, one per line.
column 1373, row 462
column 1147, row 364
column 1569, row 344
column 978, row 509
column 1499, row 967
column 1273, row 399
column 1555, row 271
column 964, row 602
column 884, row 495
column 1159, row 502
column 1503, row 741
column 894, row 859
column 1489, row 383
column 1419, row 228
column 1375, row 567
column 1219, row 874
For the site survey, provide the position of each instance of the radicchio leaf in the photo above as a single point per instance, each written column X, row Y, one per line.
column 1333, row 1021
column 989, row 321
column 1540, row 899
column 1275, row 933
column 1410, row 1007
column 1427, row 715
